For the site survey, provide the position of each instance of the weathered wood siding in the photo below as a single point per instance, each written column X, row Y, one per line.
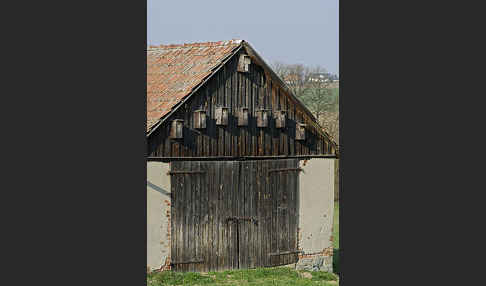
column 234, row 89
column 233, row 214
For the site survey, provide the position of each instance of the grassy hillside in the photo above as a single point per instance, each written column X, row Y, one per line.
column 335, row 95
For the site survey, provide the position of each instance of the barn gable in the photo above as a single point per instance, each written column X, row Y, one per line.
column 239, row 173
column 211, row 77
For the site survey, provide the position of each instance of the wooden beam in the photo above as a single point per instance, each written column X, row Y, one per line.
column 239, row 158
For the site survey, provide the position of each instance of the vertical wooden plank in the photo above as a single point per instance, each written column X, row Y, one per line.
column 249, row 224
column 299, row 142
column 167, row 144
column 204, row 133
column 291, row 129
column 241, row 213
column 275, row 133
column 188, row 214
column 248, row 213
column 244, row 225
column 221, row 209
column 235, row 212
column 262, row 223
column 258, row 229
column 283, row 133
column 288, row 209
column 192, row 231
column 181, row 214
column 254, row 128
column 173, row 215
column 175, row 148
column 214, row 128
column 270, row 216
column 237, row 96
column 275, row 188
column 242, row 102
column 293, row 184
column 222, row 213
column 197, row 210
column 227, row 202
column 265, row 227
column 176, row 231
column 270, row 210
column 221, row 128
column 280, row 211
column 204, row 218
column 229, row 212
column 212, row 217
column 256, row 213
column 217, row 198
column 291, row 210
column 227, row 95
column 234, row 104
column 270, row 128
column 238, row 211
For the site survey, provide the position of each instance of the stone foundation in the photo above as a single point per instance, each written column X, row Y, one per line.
column 315, row 263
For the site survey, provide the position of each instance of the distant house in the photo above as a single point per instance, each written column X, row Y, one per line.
column 291, row 79
column 319, row 77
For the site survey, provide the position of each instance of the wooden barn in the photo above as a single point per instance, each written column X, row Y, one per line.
column 239, row 173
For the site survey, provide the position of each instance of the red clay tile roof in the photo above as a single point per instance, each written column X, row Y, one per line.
column 174, row 70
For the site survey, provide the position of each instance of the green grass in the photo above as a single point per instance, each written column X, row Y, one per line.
column 335, row 235
column 259, row 276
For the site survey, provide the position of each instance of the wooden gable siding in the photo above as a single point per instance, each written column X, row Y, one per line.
column 233, row 89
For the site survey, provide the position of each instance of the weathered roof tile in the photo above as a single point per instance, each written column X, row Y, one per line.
column 174, row 70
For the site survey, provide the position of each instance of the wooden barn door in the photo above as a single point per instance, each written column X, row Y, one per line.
column 233, row 214
column 203, row 238
column 281, row 212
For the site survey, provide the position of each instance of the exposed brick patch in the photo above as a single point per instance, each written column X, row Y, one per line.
column 317, row 261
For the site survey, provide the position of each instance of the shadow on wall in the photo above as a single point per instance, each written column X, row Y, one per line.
column 158, row 189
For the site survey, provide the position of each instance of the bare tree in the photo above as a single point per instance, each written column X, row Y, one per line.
column 330, row 123
column 318, row 96
column 294, row 76
column 280, row 69
column 313, row 87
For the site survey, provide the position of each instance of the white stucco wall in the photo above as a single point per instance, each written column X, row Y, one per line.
column 316, row 208
column 158, row 214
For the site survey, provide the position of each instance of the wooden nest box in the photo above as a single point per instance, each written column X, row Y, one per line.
column 262, row 117
column 221, row 114
column 243, row 116
column 280, row 119
column 244, row 63
column 200, row 119
column 176, row 128
column 300, row 131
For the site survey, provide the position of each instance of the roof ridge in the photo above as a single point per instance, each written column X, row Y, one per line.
column 196, row 44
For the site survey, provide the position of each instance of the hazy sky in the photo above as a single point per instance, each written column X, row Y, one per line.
column 305, row 31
